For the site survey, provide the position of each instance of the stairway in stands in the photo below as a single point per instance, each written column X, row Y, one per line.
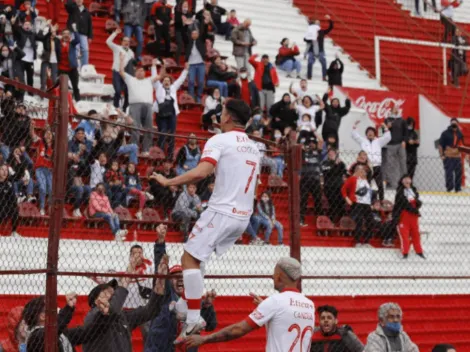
column 405, row 68
column 444, row 318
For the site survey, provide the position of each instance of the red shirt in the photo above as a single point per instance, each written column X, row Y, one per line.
column 64, row 64
column 44, row 158
column 245, row 91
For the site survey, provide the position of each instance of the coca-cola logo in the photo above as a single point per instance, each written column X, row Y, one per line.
column 380, row 109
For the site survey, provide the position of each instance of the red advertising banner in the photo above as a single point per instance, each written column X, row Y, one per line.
column 379, row 103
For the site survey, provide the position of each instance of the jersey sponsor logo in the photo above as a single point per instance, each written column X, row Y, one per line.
column 248, row 149
column 257, row 315
column 303, row 315
column 296, row 303
column 242, row 139
column 240, row 212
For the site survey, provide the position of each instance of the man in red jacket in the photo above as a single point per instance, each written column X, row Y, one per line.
column 266, row 80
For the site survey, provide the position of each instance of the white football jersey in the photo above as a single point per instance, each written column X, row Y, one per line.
column 237, row 162
column 289, row 317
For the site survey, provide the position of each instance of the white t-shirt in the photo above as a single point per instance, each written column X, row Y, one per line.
column 237, row 161
column 300, row 93
column 302, row 110
column 289, row 317
column 96, row 174
column 134, row 299
column 312, row 32
column 140, row 90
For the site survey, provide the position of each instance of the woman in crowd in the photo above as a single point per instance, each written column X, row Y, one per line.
column 406, row 212
column 115, row 184
column 19, row 169
column 134, row 188
column 188, row 156
column 218, row 77
column 362, row 160
column 309, row 107
column 267, row 217
column 212, row 110
column 11, row 65
column 285, row 59
column 43, row 168
column 335, row 73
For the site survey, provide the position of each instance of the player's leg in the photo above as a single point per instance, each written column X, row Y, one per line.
column 193, row 286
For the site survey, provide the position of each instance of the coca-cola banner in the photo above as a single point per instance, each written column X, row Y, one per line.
column 379, row 104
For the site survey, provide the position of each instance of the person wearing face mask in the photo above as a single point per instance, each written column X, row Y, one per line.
column 373, row 145
column 450, row 141
column 248, row 91
column 412, row 145
column 188, row 156
column 389, row 335
column 51, row 53
column 406, row 214
column 329, row 337
column 118, row 82
column 25, row 39
column 285, row 58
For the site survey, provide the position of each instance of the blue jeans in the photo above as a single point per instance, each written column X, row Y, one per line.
column 29, row 187
column 111, row 219
column 130, row 30
column 253, row 227
column 81, row 194
column 167, row 125
column 84, row 50
column 223, row 87
column 119, row 85
column 5, row 151
column 281, row 164
column 198, row 72
column 311, row 61
column 130, row 149
column 269, row 229
column 44, row 178
column 291, row 65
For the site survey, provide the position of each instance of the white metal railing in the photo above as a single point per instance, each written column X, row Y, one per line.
column 444, row 47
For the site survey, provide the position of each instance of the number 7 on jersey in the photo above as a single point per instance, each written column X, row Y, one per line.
column 250, row 179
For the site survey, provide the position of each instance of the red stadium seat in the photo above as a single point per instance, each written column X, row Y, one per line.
column 324, row 226
column 346, row 226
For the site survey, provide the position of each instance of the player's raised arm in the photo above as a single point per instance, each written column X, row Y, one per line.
column 200, row 172
column 231, row 332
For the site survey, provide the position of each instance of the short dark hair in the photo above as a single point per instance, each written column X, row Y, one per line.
column 32, row 309
column 371, row 129
column 265, row 56
column 134, row 247
column 79, row 129
column 443, row 347
column 238, row 110
column 328, row 309
column 92, row 112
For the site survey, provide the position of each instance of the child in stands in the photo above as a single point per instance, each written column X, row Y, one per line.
column 44, row 170
column 267, row 218
column 134, row 188
column 115, row 184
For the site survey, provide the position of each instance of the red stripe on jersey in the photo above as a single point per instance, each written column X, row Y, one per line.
column 252, row 323
column 209, row 160
column 194, row 304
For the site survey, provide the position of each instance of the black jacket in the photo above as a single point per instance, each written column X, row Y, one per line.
column 342, row 340
column 283, row 111
column 402, row 203
column 21, row 36
column 333, row 173
column 311, row 166
column 82, row 19
column 14, row 65
column 321, row 38
column 18, row 167
column 200, row 44
column 447, row 138
column 335, row 75
column 333, row 117
column 216, row 74
column 163, row 13
column 216, row 12
column 7, row 199
column 110, row 149
column 399, row 131
column 16, row 130
column 412, row 149
column 179, row 25
column 46, row 40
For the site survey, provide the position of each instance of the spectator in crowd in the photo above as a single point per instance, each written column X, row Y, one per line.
column 11, row 64
column 233, row 21
column 184, row 19
column 444, row 348
column 34, row 315
column 133, row 12
column 334, row 171
column 68, row 63
column 447, row 18
column 25, row 39
column 140, row 90
column 27, row 12
column 335, row 73
column 20, row 175
column 317, row 50
column 112, row 134
column 187, row 209
column 90, row 127
column 301, row 91
column 243, row 41
column 450, row 141
column 362, row 160
column 110, row 143
column 265, row 161
column 330, row 143
column 277, row 154
column 9, row 209
column 207, row 193
column 216, row 11
column 118, row 82
column 458, row 60
column 396, row 148
column 17, row 131
column 358, row 195
column 100, row 208
column 80, row 23
column 373, row 145
column 212, row 110
column 50, row 54
column 306, row 128
column 16, row 329
column 266, row 80
column 248, row 90
column 188, row 156
column 76, row 185
column 310, row 178
column 285, row 58
column 406, row 213
column 209, row 29
column 310, row 38
column 195, row 55
column 257, row 121
column 283, row 114
column 118, row 335
column 139, row 289
column 267, row 217
column 79, row 150
column 166, row 105
column 412, row 145
column 218, row 77
column 134, row 188
column 98, row 170
column 164, row 328
column 115, row 186
column 334, row 113
column 43, row 168
column 162, row 19
column 389, row 335
column 164, row 196
column 330, row 337
column 425, row 6
column 308, row 107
